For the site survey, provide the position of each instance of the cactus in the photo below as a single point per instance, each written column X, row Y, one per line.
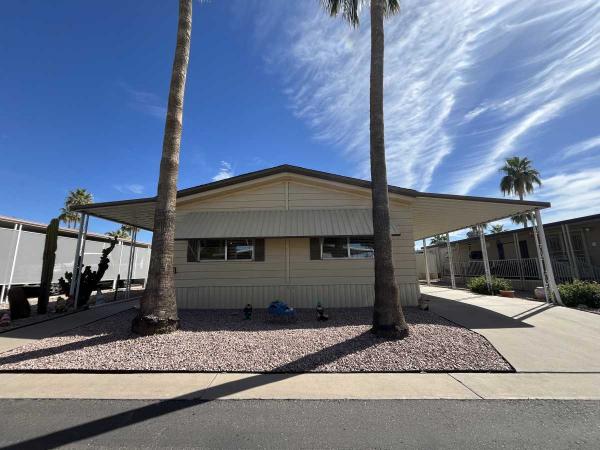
column 89, row 279
column 48, row 266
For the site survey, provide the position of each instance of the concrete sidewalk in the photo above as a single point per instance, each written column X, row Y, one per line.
column 365, row 386
column 25, row 335
column 532, row 336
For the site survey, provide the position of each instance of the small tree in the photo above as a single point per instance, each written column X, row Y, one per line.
column 438, row 239
column 497, row 228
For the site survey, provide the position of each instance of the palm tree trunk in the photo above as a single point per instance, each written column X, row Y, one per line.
column 158, row 307
column 388, row 319
column 525, row 222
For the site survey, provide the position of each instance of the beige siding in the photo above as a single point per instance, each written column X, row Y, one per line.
column 288, row 273
column 270, row 196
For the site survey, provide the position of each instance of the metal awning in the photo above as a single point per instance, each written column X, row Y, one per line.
column 276, row 223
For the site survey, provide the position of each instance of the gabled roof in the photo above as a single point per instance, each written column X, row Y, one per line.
column 433, row 213
column 286, row 168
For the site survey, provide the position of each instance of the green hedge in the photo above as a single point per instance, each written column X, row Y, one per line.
column 580, row 293
column 479, row 285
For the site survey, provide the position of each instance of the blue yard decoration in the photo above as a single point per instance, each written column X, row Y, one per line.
column 280, row 309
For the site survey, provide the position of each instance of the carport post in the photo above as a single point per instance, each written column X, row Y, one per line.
column 18, row 230
column 426, row 264
column 547, row 262
column 452, row 279
column 115, row 285
column 486, row 261
column 81, row 240
column 130, row 265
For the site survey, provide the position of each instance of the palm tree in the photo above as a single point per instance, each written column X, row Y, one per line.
column 76, row 197
column 158, row 307
column 122, row 233
column 474, row 232
column 388, row 318
column 438, row 239
column 497, row 228
column 519, row 179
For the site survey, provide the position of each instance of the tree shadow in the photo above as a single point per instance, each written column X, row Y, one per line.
column 472, row 316
column 51, row 351
column 99, row 426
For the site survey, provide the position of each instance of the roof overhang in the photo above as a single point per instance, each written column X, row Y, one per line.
column 277, row 223
column 433, row 213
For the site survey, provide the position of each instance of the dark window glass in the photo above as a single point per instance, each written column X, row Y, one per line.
column 500, row 247
column 523, row 248
column 239, row 249
column 212, row 249
column 361, row 247
column 476, row 254
column 335, row 248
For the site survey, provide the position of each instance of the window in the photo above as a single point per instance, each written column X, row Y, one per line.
column 221, row 249
column 500, row 247
column 476, row 254
column 347, row 247
column 523, row 249
column 240, row 249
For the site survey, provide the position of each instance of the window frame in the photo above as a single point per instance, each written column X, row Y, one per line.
column 225, row 245
column 348, row 249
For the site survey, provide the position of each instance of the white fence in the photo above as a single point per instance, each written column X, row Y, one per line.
column 523, row 269
column 29, row 257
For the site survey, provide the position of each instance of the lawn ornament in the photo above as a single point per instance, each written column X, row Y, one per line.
column 61, row 305
column 248, row 312
column 281, row 309
column 321, row 312
column 5, row 320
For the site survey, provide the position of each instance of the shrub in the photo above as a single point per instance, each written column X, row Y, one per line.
column 580, row 293
column 479, row 285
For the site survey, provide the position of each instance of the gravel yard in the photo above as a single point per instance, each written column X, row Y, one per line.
column 220, row 340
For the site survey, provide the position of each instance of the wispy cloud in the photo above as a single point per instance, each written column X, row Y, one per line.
column 130, row 188
column 225, row 171
column 145, row 102
column 571, row 194
column 465, row 85
column 582, row 147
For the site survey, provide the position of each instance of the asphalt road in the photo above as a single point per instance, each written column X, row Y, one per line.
column 300, row 424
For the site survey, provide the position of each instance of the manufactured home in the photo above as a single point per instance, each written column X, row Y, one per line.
column 298, row 235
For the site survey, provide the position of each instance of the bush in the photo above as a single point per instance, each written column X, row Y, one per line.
column 580, row 293
column 479, row 285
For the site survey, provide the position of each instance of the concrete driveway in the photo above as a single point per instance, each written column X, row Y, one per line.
column 532, row 336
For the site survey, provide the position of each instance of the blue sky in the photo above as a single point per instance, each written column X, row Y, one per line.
column 83, row 90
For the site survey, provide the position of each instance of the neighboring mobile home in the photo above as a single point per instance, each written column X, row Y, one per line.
column 298, row 235
column 573, row 247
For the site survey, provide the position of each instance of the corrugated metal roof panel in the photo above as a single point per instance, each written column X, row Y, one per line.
column 277, row 223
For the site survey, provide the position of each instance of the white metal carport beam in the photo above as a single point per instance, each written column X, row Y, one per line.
column 486, row 261
column 546, row 257
column 18, row 229
column 427, row 276
column 450, row 263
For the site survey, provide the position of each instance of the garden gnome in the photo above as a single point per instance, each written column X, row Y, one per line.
column 321, row 312
column 248, row 312
column 5, row 320
column 61, row 305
